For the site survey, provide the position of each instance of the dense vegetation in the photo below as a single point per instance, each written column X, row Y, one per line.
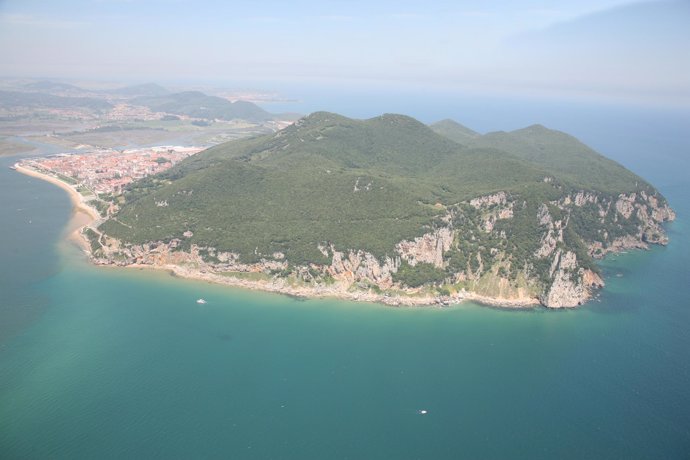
column 356, row 184
column 556, row 152
column 454, row 131
column 368, row 184
column 420, row 274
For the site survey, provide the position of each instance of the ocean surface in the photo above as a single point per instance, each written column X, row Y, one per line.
column 123, row 363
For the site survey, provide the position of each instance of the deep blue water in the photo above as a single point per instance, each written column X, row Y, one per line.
column 98, row 363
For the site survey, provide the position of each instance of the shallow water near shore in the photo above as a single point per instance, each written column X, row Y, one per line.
column 123, row 363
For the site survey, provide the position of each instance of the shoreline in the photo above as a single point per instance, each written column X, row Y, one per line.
column 276, row 286
column 76, row 197
column 279, row 286
column 79, row 206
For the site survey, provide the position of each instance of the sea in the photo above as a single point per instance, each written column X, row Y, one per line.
column 100, row 362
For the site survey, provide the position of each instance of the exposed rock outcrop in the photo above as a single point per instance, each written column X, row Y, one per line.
column 465, row 243
column 358, row 266
column 572, row 285
column 499, row 198
column 553, row 235
column 428, row 248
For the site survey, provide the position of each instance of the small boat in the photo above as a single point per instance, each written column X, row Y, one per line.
column 202, row 301
column 422, row 412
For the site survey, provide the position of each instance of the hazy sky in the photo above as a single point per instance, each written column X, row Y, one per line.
column 624, row 50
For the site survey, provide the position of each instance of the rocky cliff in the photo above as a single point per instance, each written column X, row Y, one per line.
column 499, row 246
column 386, row 207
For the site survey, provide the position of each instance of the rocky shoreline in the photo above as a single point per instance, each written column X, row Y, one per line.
column 276, row 287
column 341, row 292
column 572, row 279
column 359, row 276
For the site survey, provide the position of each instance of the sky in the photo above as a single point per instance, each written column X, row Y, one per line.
column 636, row 52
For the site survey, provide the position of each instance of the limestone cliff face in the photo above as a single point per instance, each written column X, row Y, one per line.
column 493, row 207
column 644, row 212
column 361, row 266
column 553, row 234
column 475, row 244
column 159, row 253
column 428, row 248
column 572, row 285
column 611, row 224
column 348, row 267
column 486, row 201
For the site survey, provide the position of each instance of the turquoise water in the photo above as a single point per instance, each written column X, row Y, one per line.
column 113, row 363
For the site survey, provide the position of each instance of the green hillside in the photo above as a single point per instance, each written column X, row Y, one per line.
column 374, row 186
column 558, row 153
column 395, row 147
column 454, row 131
column 358, row 184
column 199, row 105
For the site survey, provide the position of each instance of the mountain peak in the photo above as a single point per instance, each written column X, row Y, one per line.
column 199, row 105
column 454, row 131
column 535, row 128
column 324, row 117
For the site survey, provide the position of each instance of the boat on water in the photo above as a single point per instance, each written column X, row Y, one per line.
column 202, row 301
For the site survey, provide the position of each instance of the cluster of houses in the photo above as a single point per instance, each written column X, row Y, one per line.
column 108, row 171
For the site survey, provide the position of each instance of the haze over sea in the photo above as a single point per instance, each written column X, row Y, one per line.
column 123, row 363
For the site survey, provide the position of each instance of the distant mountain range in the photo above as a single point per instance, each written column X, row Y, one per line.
column 52, row 86
column 34, row 100
column 56, row 95
column 389, row 207
column 146, row 89
column 199, row 105
column 60, row 88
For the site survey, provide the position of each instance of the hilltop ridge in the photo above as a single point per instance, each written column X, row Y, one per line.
column 454, row 131
column 199, row 105
column 556, row 152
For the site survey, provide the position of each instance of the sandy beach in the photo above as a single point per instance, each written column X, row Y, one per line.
column 76, row 197
column 83, row 213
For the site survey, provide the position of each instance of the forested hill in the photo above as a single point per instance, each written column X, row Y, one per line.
column 554, row 151
column 505, row 207
column 199, row 105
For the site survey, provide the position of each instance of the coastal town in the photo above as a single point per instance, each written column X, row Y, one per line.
column 108, row 171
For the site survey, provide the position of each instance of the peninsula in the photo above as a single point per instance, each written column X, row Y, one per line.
column 388, row 210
